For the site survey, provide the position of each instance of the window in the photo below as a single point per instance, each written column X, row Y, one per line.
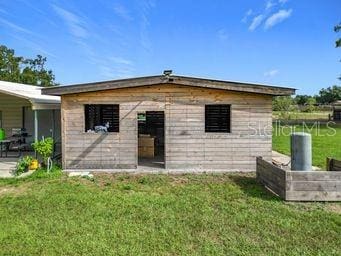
column 217, row 118
column 100, row 115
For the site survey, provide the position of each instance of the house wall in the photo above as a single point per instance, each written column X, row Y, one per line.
column 186, row 143
column 12, row 112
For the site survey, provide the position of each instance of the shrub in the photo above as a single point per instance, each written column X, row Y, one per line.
column 22, row 165
column 310, row 105
column 283, row 103
column 44, row 148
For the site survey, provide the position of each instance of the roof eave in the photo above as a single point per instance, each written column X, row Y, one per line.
column 177, row 80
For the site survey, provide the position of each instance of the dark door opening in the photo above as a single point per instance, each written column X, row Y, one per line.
column 151, row 139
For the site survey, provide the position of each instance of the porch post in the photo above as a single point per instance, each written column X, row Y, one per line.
column 35, row 125
column 53, row 124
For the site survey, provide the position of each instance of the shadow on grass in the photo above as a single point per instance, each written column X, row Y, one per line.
column 251, row 187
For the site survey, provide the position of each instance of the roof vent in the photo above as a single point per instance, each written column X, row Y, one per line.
column 168, row 72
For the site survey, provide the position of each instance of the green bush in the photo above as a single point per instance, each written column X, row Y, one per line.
column 310, row 105
column 42, row 172
column 283, row 104
column 22, row 165
column 44, row 148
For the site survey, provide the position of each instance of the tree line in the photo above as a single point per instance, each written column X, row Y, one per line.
column 19, row 69
column 308, row 103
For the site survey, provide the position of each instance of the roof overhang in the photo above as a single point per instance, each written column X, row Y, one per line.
column 176, row 80
column 42, row 106
column 31, row 93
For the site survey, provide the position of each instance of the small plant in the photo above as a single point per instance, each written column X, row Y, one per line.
column 143, row 180
column 22, row 165
column 44, row 148
column 126, row 187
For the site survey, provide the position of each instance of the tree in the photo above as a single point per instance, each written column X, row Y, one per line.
column 24, row 70
column 302, row 99
column 329, row 95
column 283, row 103
column 310, row 105
column 337, row 29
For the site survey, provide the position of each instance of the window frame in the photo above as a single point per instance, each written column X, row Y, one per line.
column 229, row 121
column 86, row 117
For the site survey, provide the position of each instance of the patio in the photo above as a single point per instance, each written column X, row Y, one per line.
column 7, row 164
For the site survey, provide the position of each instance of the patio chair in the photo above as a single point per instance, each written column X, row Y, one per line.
column 17, row 146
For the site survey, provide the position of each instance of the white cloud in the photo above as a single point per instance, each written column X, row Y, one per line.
column 15, row 27
column 75, row 23
column 120, row 60
column 269, row 5
column 145, row 7
column 271, row 73
column 282, row 1
column 122, row 12
column 256, row 22
column 86, row 35
column 108, row 72
column 222, row 34
column 246, row 16
column 3, row 11
column 276, row 18
column 36, row 47
column 111, row 72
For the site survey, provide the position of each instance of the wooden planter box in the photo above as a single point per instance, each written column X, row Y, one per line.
column 300, row 185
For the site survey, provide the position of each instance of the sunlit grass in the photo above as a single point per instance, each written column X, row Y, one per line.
column 230, row 214
column 326, row 140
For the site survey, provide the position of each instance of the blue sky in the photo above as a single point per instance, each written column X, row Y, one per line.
column 279, row 42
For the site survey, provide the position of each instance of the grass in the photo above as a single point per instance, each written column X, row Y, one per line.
column 296, row 115
column 326, row 142
column 230, row 214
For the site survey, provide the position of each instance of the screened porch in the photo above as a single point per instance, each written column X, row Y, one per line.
column 26, row 116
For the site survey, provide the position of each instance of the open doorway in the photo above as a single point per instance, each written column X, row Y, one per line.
column 151, row 139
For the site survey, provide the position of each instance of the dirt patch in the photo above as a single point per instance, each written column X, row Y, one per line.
column 334, row 207
column 179, row 180
column 15, row 191
column 105, row 179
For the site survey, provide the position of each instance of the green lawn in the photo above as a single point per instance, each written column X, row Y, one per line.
column 296, row 115
column 326, row 142
column 228, row 214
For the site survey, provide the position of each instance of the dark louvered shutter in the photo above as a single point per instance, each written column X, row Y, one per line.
column 101, row 114
column 92, row 116
column 217, row 118
column 110, row 113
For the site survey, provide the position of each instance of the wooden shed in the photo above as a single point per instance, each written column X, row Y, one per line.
column 337, row 110
column 166, row 121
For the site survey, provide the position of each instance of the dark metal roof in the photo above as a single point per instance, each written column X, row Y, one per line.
column 173, row 79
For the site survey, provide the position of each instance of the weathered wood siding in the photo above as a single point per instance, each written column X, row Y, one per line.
column 11, row 108
column 300, row 185
column 313, row 186
column 333, row 165
column 186, row 143
column 271, row 176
